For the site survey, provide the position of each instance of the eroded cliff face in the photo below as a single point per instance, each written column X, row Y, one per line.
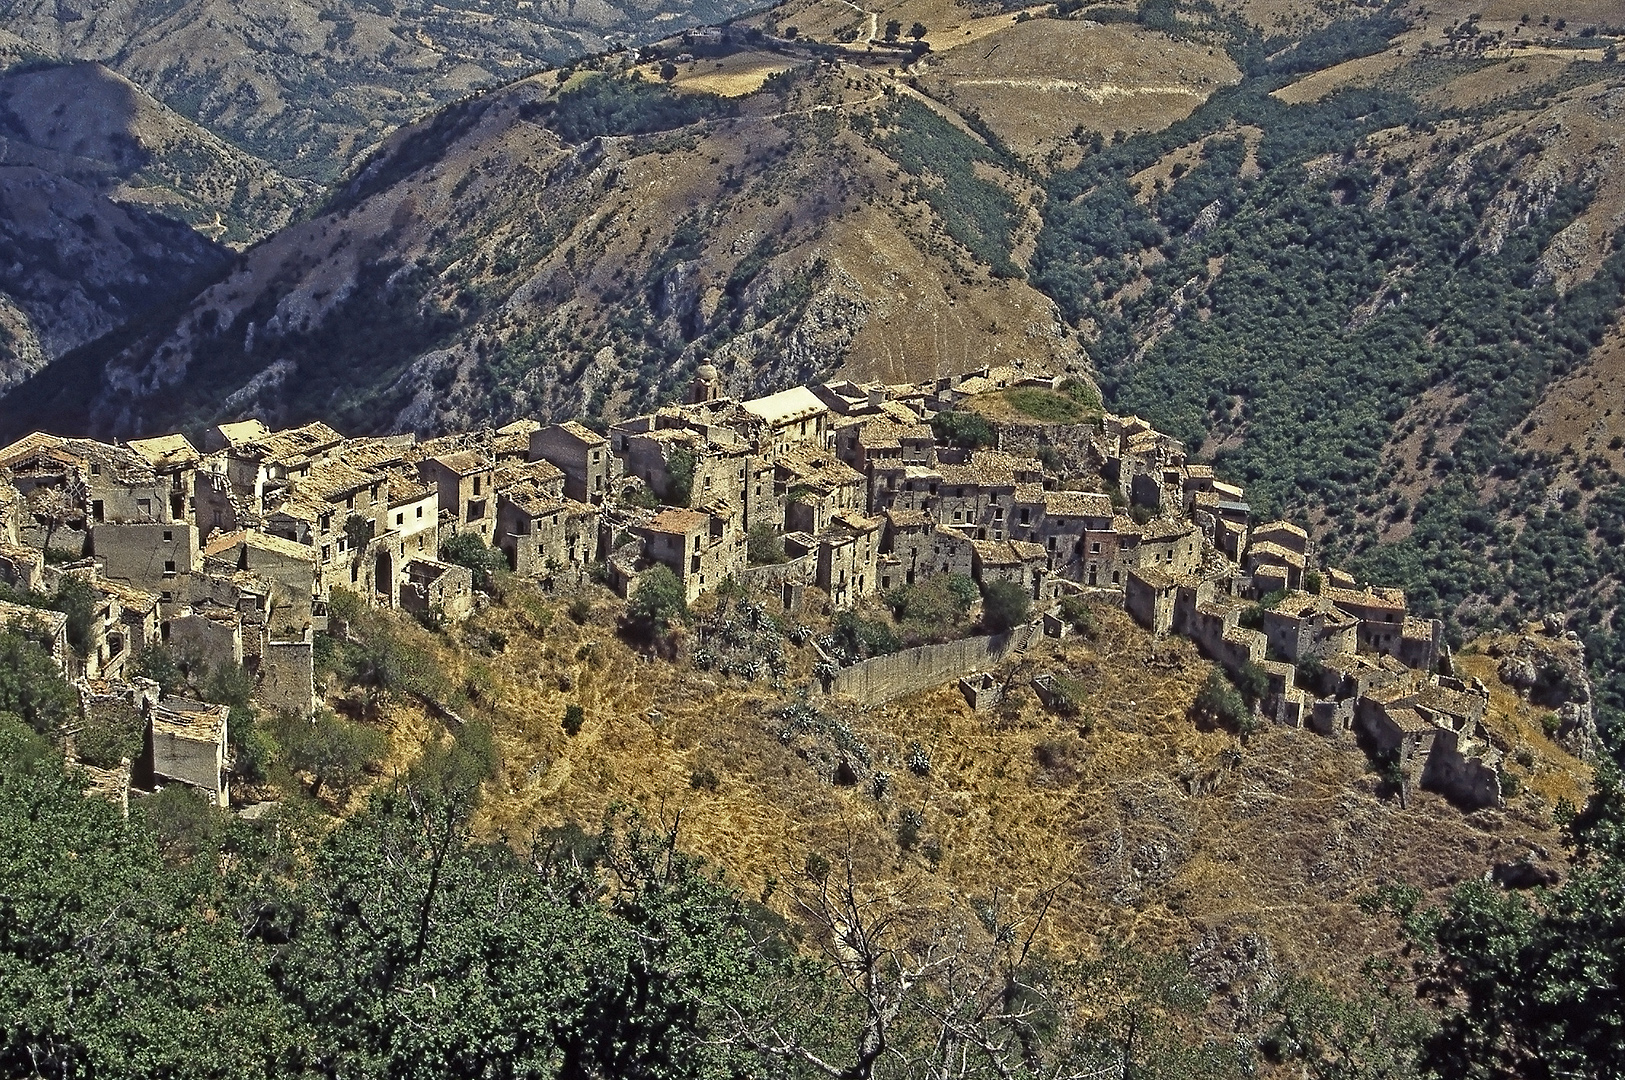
column 85, row 123
column 111, row 206
column 20, row 351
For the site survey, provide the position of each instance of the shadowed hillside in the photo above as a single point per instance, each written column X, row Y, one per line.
column 310, row 86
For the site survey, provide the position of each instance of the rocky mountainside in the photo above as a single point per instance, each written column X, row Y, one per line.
column 91, row 126
column 308, row 86
column 576, row 242
column 99, row 184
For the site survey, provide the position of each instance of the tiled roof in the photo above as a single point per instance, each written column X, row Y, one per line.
column 243, row 432
column 582, row 432
column 327, row 480
column 166, row 451
column 128, row 596
column 193, row 721
column 1163, row 529
column 280, row 545
column 531, row 472
column 1007, row 552
column 1388, row 599
column 1078, row 503
column 295, row 444
column 372, row 453
column 819, row 468
column 1266, row 552
column 1280, row 527
column 678, row 522
column 464, row 462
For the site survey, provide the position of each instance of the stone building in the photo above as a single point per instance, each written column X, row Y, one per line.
column 151, row 556
column 793, row 418
column 21, row 568
column 434, row 586
column 174, row 461
column 816, row 488
column 582, row 455
column 187, row 744
column 848, row 551
column 464, row 481
column 698, row 547
column 542, row 533
column 1017, row 561
column 1300, row 627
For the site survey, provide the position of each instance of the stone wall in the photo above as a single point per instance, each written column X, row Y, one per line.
column 287, row 677
column 772, row 577
column 871, row 682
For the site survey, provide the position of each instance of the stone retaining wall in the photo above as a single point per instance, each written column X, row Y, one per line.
column 878, row 680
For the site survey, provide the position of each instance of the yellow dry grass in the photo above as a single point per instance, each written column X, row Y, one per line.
column 731, row 76
column 1361, row 72
column 1143, row 825
column 1036, row 82
column 735, row 75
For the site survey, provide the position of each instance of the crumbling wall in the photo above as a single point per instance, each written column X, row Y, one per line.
column 1471, row 782
column 882, row 678
column 287, row 677
column 197, row 639
column 772, row 577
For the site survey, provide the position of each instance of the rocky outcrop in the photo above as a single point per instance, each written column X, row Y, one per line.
column 78, row 264
column 1548, row 668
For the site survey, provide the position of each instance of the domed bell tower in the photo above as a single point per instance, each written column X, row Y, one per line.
column 707, row 385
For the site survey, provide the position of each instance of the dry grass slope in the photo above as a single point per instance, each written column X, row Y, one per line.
column 1144, row 825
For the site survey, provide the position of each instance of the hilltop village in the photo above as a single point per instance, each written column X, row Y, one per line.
column 230, row 553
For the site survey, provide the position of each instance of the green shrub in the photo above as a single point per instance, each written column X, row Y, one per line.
column 1045, row 405
column 183, row 822
column 158, row 663
column 1081, row 615
column 908, row 829
column 680, row 476
column 1223, row 704
column 764, row 546
column 1253, row 682
column 31, row 687
column 335, row 751
column 933, row 610
column 574, row 717
column 606, row 105
column 1005, row 605
column 857, row 638
column 468, row 549
column 658, row 601
column 639, row 497
column 966, row 430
